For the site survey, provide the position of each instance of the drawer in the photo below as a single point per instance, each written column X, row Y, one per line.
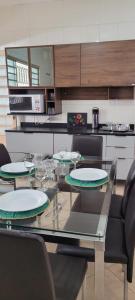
column 117, row 151
column 122, row 141
column 123, row 166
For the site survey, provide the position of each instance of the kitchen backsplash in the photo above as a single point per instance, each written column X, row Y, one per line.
column 118, row 111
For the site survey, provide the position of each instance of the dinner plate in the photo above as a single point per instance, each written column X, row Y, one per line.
column 64, row 155
column 88, row 174
column 17, row 167
column 22, row 200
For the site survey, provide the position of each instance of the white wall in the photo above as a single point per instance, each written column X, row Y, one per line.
column 73, row 21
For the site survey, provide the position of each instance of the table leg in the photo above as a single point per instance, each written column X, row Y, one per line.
column 99, row 270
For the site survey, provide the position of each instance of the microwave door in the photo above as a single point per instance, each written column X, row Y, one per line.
column 20, row 104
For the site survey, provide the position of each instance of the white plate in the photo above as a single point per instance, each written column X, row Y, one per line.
column 18, row 167
column 88, row 174
column 22, row 200
column 64, row 155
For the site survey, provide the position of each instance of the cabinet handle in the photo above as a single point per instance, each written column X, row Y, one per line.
column 121, row 158
column 120, row 147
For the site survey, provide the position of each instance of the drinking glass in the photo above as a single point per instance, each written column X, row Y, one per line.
column 28, row 162
column 37, row 158
column 75, row 158
column 40, row 174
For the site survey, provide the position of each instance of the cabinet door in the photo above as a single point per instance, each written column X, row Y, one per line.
column 62, row 142
column 108, row 63
column 41, row 59
column 67, row 65
column 29, row 142
column 17, row 67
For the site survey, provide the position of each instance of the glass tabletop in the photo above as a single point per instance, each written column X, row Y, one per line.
column 60, row 220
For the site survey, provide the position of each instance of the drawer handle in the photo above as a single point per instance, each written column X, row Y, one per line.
column 121, row 158
column 120, row 147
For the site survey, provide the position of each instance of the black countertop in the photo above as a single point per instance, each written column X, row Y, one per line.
column 62, row 128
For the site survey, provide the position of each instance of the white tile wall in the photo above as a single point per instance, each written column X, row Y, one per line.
column 110, row 110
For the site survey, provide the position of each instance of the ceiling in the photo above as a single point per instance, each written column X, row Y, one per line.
column 13, row 2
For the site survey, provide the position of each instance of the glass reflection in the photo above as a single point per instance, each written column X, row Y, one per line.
column 17, row 67
column 41, row 66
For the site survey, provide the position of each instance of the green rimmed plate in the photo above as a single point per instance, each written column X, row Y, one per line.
column 85, row 184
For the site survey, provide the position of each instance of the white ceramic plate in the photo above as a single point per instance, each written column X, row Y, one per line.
column 64, row 155
column 22, row 200
column 88, row 174
column 18, row 167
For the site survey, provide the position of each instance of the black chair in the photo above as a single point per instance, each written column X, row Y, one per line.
column 91, row 201
column 5, row 159
column 27, row 271
column 119, row 244
column 4, row 155
column 87, row 145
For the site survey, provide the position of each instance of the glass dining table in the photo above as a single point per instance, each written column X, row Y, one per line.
column 55, row 222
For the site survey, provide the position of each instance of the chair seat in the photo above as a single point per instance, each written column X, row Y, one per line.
column 63, row 268
column 116, row 206
column 115, row 249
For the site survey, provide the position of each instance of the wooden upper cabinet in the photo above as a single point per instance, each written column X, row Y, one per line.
column 108, row 63
column 67, row 65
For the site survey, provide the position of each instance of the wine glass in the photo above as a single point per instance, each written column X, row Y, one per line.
column 40, row 174
column 75, row 158
column 28, row 162
column 37, row 158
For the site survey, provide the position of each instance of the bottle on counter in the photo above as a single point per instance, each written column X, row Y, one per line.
column 95, row 117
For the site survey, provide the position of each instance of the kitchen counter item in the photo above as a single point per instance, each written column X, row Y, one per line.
column 116, row 127
column 95, row 117
column 77, row 122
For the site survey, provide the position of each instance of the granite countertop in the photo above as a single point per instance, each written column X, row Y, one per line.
column 62, row 128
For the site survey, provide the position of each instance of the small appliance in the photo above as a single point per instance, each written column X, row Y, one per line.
column 95, row 117
column 26, row 103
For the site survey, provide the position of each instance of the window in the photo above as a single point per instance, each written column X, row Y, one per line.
column 35, row 76
column 18, row 73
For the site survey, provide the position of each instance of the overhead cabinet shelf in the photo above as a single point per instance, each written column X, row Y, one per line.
column 108, row 63
column 89, row 71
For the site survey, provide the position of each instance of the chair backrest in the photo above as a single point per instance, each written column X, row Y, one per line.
column 130, row 230
column 88, row 145
column 25, row 271
column 130, row 179
column 4, row 155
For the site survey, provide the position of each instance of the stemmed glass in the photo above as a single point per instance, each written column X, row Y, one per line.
column 75, row 158
column 28, row 162
column 40, row 174
column 29, row 165
column 37, row 158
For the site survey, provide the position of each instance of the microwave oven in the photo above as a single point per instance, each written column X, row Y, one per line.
column 26, row 103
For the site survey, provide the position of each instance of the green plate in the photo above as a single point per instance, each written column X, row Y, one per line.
column 85, row 184
column 15, row 175
column 23, row 214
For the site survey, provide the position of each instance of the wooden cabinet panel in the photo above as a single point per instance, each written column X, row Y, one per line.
column 108, row 63
column 67, row 65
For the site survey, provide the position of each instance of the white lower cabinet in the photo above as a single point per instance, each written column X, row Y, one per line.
column 28, row 142
column 62, row 142
column 121, row 148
